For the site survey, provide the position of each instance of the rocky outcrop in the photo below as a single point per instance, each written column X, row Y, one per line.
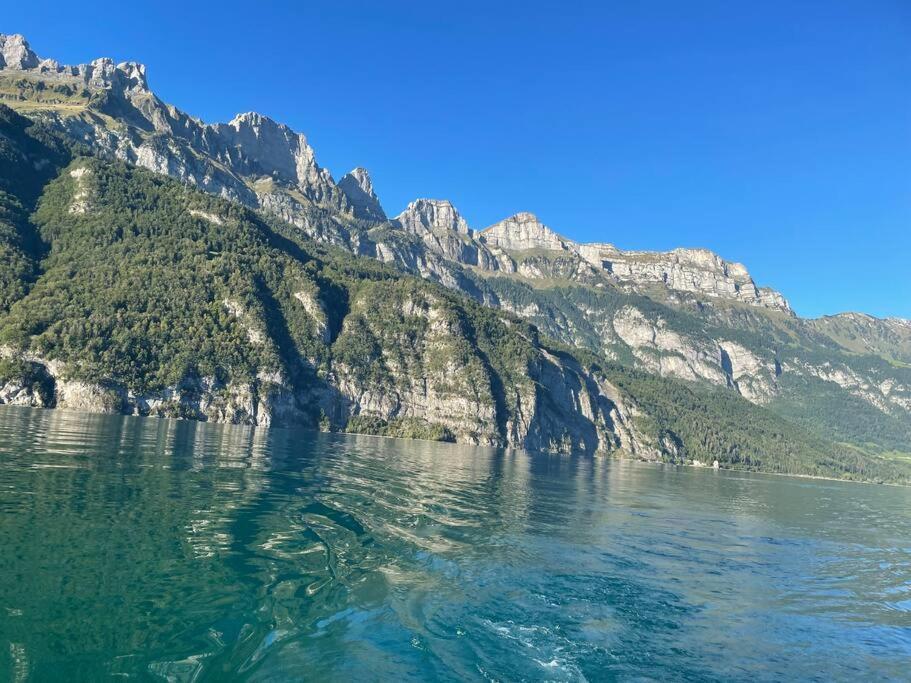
column 698, row 271
column 127, row 77
column 552, row 403
column 255, row 146
column 249, row 159
column 358, row 188
column 670, row 353
column 432, row 215
column 666, row 352
column 523, row 232
column 24, row 392
column 883, row 393
column 445, row 234
column 47, row 384
column 81, row 195
column 581, row 412
column 15, row 53
column 313, row 307
column 522, row 244
column 754, row 377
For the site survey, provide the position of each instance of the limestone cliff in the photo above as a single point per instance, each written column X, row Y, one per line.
column 524, row 232
column 251, row 159
column 265, row 164
column 358, row 188
column 158, row 300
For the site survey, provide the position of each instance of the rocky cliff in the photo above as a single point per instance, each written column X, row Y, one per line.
column 251, row 159
column 358, row 188
column 524, row 232
column 157, row 300
column 697, row 271
column 523, row 244
column 261, row 163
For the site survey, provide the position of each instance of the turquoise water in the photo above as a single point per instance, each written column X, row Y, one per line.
column 166, row 550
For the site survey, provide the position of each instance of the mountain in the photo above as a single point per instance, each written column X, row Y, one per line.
column 686, row 314
column 358, row 188
column 250, row 287
column 863, row 334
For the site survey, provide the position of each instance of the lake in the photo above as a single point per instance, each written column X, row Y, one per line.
column 166, row 550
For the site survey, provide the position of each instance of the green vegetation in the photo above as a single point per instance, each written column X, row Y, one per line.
column 865, row 335
column 29, row 160
column 708, row 424
column 136, row 282
column 25, row 91
column 826, row 409
column 822, row 407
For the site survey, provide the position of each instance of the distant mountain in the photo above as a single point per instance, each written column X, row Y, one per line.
column 644, row 319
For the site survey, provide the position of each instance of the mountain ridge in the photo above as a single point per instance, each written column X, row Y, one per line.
column 684, row 315
column 288, row 157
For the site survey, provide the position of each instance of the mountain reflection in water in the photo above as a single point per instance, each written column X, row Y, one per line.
column 184, row 551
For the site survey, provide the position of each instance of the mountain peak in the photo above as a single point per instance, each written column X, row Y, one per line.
column 15, row 53
column 524, row 231
column 251, row 146
column 358, row 187
column 361, row 176
column 253, row 118
column 422, row 215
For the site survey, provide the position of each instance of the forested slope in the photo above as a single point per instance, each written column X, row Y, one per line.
column 129, row 292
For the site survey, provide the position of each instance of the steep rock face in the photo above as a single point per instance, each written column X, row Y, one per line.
column 421, row 370
column 698, row 271
column 568, row 267
column 752, row 375
column 255, row 146
column 432, row 215
column 251, row 159
column 358, row 188
column 127, row 77
column 425, row 369
column 49, row 386
column 524, row 245
column 444, row 233
column 665, row 351
column 579, row 412
column 15, row 53
column 523, row 232
column 671, row 354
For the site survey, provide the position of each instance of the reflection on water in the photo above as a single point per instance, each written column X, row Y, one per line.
column 182, row 551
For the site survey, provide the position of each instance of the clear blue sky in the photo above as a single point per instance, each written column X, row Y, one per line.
column 777, row 133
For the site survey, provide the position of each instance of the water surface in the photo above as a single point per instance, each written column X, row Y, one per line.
column 164, row 550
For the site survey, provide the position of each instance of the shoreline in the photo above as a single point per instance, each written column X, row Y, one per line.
column 617, row 456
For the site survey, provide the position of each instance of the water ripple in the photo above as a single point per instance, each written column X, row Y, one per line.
column 179, row 551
